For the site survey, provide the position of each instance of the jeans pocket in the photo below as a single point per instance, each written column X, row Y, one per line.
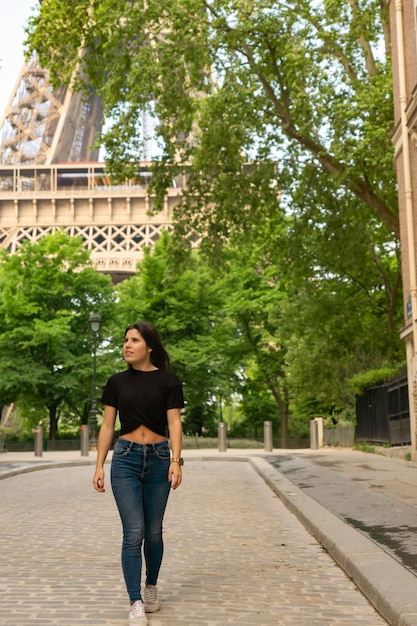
column 163, row 452
column 121, row 448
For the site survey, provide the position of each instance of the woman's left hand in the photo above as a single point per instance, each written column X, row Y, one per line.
column 175, row 475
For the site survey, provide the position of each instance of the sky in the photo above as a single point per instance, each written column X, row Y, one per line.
column 12, row 35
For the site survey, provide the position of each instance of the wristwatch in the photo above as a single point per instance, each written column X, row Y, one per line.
column 177, row 459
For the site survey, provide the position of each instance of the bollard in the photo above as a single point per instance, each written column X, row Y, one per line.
column 320, row 431
column 268, row 443
column 38, row 443
column 222, row 437
column 314, row 435
column 84, row 440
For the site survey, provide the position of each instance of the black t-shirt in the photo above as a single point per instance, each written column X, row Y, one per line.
column 143, row 398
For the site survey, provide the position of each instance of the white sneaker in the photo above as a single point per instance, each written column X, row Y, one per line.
column 137, row 615
column 151, row 599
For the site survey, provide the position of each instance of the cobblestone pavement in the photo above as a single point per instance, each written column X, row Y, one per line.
column 234, row 554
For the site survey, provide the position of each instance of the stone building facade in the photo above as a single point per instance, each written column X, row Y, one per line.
column 403, row 19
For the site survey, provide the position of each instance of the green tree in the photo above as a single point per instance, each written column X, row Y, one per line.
column 254, row 295
column 47, row 292
column 280, row 115
column 178, row 293
column 321, row 305
column 233, row 82
column 345, row 311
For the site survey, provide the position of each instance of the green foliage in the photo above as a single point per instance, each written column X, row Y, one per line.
column 269, row 83
column 280, row 115
column 174, row 290
column 48, row 290
column 365, row 447
column 255, row 297
column 364, row 380
column 246, row 339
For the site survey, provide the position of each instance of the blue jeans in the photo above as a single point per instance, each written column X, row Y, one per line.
column 139, row 479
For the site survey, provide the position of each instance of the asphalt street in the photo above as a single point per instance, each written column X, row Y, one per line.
column 365, row 493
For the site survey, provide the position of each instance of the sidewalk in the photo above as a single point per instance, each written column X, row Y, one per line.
column 14, row 463
column 362, row 508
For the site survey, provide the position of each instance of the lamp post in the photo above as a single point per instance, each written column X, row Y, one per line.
column 95, row 322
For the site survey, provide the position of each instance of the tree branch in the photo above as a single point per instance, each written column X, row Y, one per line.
column 363, row 42
column 361, row 188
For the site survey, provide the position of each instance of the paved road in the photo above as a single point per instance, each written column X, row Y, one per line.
column 374, row 494
column 234, row 554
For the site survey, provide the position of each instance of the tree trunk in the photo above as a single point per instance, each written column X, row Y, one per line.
column 284, row 425
column 53, row 422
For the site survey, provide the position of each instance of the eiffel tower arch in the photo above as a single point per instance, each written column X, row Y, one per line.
column 50, row 178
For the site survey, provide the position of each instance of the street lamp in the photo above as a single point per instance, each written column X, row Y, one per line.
column 95, row 322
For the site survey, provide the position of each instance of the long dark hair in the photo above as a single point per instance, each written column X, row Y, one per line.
column 159, row 356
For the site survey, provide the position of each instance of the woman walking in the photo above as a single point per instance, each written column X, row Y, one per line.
column 148, row 398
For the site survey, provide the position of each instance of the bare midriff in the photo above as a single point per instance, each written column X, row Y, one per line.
column 143, row 435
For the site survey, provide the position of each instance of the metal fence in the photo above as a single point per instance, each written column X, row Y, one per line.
column 382, row 413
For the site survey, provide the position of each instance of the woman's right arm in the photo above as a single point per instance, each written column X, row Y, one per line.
column 105, row 439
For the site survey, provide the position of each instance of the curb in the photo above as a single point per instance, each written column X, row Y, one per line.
column 35, row 467
column 389, row 586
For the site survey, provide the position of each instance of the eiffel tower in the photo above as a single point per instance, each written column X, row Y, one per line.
column 50, row 178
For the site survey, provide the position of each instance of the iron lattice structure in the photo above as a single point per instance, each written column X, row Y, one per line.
column 50, row 178
column 115, row 221
column 44, row 126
